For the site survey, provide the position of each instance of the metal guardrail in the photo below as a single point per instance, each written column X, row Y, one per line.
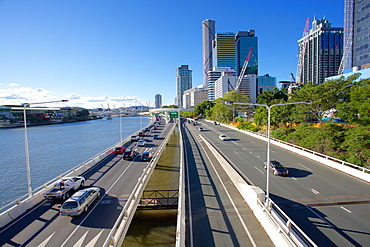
column 116, row 235
column 181, row 226
column 159, row 199
column 90, row 162
column 291, row 230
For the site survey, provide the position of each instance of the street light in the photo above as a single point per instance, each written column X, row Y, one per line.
column 268, row 136
column 26, row 141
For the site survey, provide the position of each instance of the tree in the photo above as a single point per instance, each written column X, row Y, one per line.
column 203, row 108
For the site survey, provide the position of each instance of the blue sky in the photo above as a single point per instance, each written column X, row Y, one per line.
column 123, row 52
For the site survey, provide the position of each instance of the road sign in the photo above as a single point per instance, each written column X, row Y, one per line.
column 174, row 114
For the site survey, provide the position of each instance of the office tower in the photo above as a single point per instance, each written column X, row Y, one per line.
column 158, row 101
column 194, row 96
column 248, row 87
column 356, row 34
column 224, row 50
column 265, row 82
column 244, row 40
column 211, row 79
column 323, row 52
column 183, row 82
column 208, row 36
column 225, row 83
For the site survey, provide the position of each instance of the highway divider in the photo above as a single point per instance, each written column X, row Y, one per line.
column 343, row 166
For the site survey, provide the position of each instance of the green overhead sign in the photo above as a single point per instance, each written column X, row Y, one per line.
column 174, row 114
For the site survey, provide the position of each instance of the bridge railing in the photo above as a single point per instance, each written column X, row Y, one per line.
column 119, row 230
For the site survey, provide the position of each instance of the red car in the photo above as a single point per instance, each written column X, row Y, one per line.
column 119, row 150
column 141, row 134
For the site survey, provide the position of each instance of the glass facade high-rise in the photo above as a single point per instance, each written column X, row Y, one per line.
column 158, row 101
column 244, row 40
column 224, row 50
column 323, row 53
column 183, row 83
column 357, row 33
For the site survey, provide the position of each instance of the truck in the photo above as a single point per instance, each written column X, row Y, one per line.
column 64, row 188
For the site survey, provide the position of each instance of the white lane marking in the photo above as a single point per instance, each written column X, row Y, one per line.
column 236, row 153
column 94, row 240
column 258, row 157
column 305, row 167
column 43, row 244
column 102, row 197
column 259, row 170
column 81, row 240
column 231, row 200
column 319, row 216
column 347, row 210
column 236, row 143
column 315, row 191
column 294, row 178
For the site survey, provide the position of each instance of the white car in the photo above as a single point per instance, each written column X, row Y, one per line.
column 223, row 137
column 201, row 129
column 141, row 143
column 79, row 202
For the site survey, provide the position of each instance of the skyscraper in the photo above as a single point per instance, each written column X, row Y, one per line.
column 208, row 36
column 183, row 82
column 158, row 101
column 244, row 40
column 323, row 52
column 356, row 34
column 224, row 50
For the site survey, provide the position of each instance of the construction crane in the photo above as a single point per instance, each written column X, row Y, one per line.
column 302, row 51
column 243, row 69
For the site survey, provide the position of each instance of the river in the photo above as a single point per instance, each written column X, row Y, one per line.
column 54, row 149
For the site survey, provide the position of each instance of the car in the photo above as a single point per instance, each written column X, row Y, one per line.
column 155, row 137
column 223, row 137
column 141, row 134
column 119, row 150
column 146, row 130
column 215, row 123
column 134, row 138
column 129, row 154
column 277, row 168
column 79, row 202
column 201, row 129
column 152, row 130
column 146, row 156
column 141, row 143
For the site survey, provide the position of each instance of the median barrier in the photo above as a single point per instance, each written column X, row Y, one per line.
column 345, row 167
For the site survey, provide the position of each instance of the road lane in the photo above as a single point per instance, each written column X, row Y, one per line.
column 312, row 194
column 217, row 215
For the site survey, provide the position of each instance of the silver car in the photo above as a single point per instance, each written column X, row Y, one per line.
column 79, row 202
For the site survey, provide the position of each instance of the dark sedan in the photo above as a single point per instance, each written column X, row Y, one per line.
column 277, row 168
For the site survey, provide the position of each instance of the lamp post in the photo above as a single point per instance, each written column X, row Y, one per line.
column 120, row 125
column 268, row 137
column 26, row 141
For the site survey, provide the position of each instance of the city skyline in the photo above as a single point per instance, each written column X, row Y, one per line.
column 126, row 53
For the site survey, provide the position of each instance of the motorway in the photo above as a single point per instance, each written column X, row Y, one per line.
column 216, row 214
column 43, row 226
column 332, row 208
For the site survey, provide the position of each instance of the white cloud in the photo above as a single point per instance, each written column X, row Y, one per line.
column 13, row 84
column 18, row 95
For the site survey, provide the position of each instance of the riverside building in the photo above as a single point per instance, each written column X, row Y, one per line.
column 183, row 83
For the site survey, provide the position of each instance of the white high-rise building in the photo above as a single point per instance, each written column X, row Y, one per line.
column 248, row 86
column 225, row 83
column 212, row 77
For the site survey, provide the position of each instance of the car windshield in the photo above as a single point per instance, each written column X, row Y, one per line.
column 278, row 165
column 67, row 205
